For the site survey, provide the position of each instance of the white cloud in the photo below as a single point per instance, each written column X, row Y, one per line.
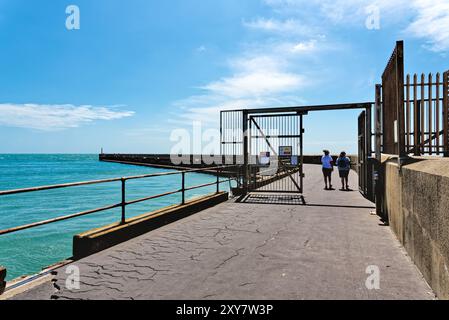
column 424, row 19
column 256, row 81
column 256, row 84
column 206, row 108
column 266, row 74
column 339, row 11
column 305, row 46
column 286, row 27
column 55, row 117
column 431, row 23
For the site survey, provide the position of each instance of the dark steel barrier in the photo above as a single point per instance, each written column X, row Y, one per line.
column 415, row 111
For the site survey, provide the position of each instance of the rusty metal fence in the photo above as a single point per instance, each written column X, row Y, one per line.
column 414, row 110
column 426, row 122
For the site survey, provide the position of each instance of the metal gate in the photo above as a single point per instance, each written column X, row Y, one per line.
column 268, row 142
column 365, row 163
column 362, row 163
column 275, row 153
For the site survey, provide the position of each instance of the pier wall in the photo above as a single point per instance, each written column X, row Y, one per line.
column 416, row 202
column 194, row 161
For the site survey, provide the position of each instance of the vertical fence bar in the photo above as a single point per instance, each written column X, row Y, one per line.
column 377, row 119
column 430, row 117
column 123, row 221
column 183, row 188
column 446, row 113
column 416, row 117
column 218, row 180
column 437, row 113
column 245, row 151
column 422, row 114
column 301, row 151
column 221, row 134
column 407, row 114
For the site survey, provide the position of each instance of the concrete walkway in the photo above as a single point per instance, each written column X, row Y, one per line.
column 255, row 250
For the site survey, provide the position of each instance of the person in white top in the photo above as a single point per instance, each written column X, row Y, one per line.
column 328, row 168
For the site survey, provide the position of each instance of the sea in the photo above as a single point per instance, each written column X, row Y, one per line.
column 28, row 252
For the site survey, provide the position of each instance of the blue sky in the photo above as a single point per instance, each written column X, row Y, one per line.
column 136, row 70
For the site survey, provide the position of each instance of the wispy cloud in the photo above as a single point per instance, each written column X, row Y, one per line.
column 424, row 19
column 431, row 24
column 55, row 117
column 272, row 70
column 255, row 77
column 266, row 73
column 286, row 27
column 339, row 11
column 256, row 81
column 305, row 46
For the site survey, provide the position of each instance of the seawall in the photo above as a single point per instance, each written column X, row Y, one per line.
column 193, row 161
column 416, row 203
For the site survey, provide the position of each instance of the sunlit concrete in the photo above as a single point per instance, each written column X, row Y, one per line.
column 279, row 250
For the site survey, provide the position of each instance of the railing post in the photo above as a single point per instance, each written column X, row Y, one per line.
column 2, row 279
column 218, row 179
column 123, row 201
column 183, row 188
column 446, row 113
column 246, row 157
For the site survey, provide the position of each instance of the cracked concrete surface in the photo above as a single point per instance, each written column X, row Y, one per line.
column 255, row 251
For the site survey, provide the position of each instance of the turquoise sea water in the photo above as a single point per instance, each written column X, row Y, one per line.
column 27, row 252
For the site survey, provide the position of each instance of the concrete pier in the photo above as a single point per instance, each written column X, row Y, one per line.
column 265, row 247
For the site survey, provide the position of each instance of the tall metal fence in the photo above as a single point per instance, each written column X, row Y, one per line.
column 415, row 110
column 392, row 100
column 426, row 110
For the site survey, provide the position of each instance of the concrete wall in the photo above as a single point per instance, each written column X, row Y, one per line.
column 416, row 200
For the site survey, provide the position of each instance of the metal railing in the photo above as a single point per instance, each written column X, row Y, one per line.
column 218, row 171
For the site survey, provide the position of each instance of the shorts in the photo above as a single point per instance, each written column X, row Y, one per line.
column 344, row 173
column 327, row 172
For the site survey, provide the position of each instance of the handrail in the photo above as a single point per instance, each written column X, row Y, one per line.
column 77, row 184
column 123, row 203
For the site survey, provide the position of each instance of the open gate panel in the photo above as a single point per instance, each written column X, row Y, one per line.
column 276, row 153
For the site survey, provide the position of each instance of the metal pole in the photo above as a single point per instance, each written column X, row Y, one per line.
column 446, row 113
column 378, row 115
column 123, row 200
column 183, row 188
column 221, row 135
column 418, row 131
column 245, row 152
column 218, row 179
column 302, row 153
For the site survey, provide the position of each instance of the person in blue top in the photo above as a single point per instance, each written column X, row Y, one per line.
column 344, row 167
column 328, row 168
